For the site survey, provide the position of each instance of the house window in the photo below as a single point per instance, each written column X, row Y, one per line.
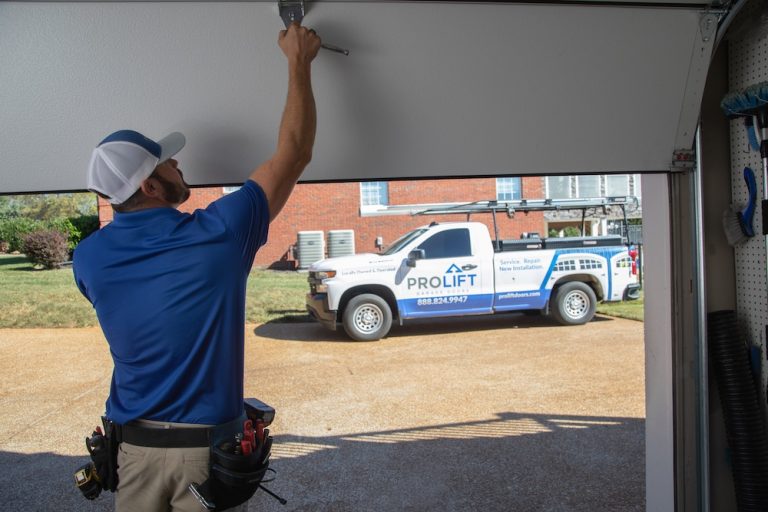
column 588, row 186
column 374, row 193
column 508, row 189
column 616, row 185
column 558, row 187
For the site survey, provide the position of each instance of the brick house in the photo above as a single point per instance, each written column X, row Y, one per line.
column 349, row 206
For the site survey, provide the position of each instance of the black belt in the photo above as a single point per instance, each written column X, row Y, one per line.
column 165, row 437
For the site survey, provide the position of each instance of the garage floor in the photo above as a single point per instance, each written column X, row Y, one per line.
column 494, row 414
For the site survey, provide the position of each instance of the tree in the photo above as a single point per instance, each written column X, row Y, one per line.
column 570, row 231
column 9, row 207
column 48, row 206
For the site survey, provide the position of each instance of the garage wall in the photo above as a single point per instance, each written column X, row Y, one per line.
column 429, row 88
column 748, row 63
column 720, row 289
column 659, row 401
column 736, row 277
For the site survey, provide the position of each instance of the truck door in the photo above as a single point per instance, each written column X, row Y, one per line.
column 449, row 280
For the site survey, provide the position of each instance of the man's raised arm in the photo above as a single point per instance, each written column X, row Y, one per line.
column 278, row 175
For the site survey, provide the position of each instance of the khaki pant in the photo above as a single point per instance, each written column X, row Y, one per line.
column 157, row 479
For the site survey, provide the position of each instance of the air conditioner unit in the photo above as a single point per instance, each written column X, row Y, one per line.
column 311, row 247
column 341, row 242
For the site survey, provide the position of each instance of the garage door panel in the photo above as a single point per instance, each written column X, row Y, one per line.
column 429, row 89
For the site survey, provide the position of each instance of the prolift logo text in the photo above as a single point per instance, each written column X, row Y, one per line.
column 454, row 277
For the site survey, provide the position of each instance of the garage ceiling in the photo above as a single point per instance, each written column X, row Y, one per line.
column 429, row 89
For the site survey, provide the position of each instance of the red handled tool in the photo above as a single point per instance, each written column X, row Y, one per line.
column 249, row 438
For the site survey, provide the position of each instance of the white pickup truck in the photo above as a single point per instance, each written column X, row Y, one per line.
column 455, row 269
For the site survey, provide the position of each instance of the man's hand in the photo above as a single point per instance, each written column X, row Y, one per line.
column 299, row 43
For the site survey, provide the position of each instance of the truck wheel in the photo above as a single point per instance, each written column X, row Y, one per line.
column 575, row 303
column 367, row 317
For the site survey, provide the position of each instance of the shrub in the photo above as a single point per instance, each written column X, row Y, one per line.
column 85, row 224
column 66, row 228
column 46, row 248
column 13, row 230
column 571, row 231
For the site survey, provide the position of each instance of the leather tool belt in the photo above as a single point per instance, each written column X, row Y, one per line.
column 239, row 455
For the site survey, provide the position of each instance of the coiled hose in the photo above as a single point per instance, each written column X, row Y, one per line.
column 744, row 422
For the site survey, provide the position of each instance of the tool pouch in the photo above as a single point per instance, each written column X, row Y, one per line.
column 105, row 460
column 233, row 478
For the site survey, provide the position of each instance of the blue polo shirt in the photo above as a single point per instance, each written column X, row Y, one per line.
column 169, row 291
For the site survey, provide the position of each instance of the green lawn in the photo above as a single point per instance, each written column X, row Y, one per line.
column 40, row 298
column 631, row 309
column 49, row 298
column 276, row 296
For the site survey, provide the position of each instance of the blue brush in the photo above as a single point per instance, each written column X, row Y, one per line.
column 753, row 103
column 757, row 100
column 747, row 102
column 738, row 224
column 757, row 95
column 742, row 104
column 749, row 125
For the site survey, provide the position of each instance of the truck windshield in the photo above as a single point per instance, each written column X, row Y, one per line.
column 403, row 241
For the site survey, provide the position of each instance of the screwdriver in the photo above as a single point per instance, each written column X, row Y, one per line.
column 334, row 48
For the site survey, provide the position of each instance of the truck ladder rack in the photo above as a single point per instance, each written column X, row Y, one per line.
column 508, row 207
column 523, row 205
column 511, row 207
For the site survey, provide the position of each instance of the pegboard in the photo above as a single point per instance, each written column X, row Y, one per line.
column 748, row 65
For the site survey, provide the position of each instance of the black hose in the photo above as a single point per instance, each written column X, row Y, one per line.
column 744, row 422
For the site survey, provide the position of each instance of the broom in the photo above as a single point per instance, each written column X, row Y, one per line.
column 753, row 103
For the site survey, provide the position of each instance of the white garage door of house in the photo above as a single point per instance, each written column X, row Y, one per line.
column 428, row 89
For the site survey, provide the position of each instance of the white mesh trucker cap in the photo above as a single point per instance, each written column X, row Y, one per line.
column 126, row 158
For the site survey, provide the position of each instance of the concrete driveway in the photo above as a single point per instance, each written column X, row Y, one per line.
column 493, row 414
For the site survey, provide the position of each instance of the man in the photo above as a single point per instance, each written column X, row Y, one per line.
column 169, row 291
